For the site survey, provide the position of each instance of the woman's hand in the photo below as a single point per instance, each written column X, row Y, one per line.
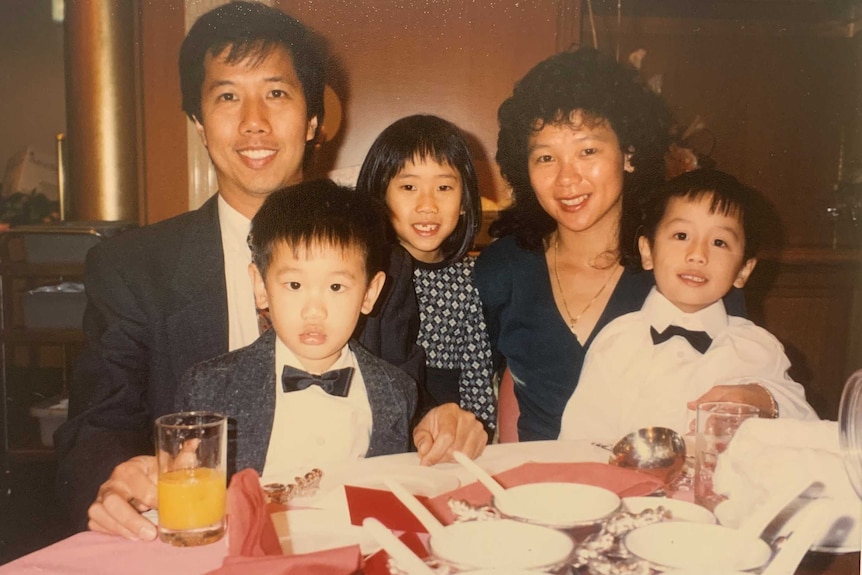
column 445, row 429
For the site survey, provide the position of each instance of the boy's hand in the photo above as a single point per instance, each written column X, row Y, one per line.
column 445, row 429
column 129, row 491
column 750, row 393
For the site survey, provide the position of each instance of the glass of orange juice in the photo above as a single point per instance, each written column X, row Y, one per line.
column 191, row 449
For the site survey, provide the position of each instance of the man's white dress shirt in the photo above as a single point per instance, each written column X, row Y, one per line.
column 312, row 428
column 628, row 382
column 241, row 313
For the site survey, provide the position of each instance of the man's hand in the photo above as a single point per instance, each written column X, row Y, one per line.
column 445, row 429
column 751, row 393
column 131, row 490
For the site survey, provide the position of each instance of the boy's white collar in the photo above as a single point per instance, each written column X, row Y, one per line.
column 660, row 312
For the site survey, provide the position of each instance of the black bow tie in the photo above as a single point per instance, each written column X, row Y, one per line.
column 335, row 382
column 699, row 340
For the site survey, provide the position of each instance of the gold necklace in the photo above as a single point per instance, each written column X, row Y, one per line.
column 574, row 320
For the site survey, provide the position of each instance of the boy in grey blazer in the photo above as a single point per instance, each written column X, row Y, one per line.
column 317, row 261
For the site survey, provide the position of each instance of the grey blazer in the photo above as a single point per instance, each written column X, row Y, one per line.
column 240, row 384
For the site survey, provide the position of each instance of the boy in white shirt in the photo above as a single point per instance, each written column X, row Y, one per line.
column 652, row 367
column 305, row 394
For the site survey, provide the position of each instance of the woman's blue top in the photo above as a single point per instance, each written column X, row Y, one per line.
column 530, row 337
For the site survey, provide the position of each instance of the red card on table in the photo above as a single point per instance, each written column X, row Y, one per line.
column 365, row 502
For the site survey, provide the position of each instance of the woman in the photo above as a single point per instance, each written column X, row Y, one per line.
column 581, row 142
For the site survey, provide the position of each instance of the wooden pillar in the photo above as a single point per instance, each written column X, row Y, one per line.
column 101, row 110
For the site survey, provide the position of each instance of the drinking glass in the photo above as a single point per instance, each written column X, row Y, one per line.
column 850, row 429
column 716, row 424
column 191, row 448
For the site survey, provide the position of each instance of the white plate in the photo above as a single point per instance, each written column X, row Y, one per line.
column 681, row 510
column 308, row 530
column 501, row 544
column 683, row 545
column 558, row 505
column 370, row 473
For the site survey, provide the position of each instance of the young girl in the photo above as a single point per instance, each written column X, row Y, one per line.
column 421, row 169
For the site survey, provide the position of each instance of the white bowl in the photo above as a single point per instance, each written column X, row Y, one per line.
column 501, row 544
column 681, row 510
column 558, row 505
column 697, row 546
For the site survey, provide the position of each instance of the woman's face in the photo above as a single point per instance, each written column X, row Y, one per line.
column 576, row 169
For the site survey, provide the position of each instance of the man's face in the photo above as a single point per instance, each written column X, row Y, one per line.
column 254, row 126
column 315, row 296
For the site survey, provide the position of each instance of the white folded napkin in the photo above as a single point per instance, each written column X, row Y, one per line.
column 764, row 453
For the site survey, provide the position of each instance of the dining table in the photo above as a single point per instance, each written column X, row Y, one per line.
column 93, row 553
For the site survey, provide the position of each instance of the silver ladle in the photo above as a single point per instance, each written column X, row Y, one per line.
column 658, row 451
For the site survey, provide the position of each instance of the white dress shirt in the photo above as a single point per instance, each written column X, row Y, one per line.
column 311, row 427
column 628, row 383
column 241, row 313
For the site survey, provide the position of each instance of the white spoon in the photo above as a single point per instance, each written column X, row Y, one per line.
column 419, row 511
column 483, row 476
column 403, row 555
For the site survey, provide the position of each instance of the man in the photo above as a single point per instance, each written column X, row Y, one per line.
column 167, row 296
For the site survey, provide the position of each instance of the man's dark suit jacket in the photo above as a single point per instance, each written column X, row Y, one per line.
column 157, row 305
column 241, row 385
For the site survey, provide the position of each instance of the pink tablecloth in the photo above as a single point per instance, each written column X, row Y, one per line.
column 91, row 553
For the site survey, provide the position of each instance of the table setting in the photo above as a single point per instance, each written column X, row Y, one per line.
column 563, row 507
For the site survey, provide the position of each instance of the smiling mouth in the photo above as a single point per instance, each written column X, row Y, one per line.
column 693, row 279
column 426, row 228
column 572, row 202
column 256, row 154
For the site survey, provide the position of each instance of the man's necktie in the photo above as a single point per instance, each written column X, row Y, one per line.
column 335, row 382
column 699, row 340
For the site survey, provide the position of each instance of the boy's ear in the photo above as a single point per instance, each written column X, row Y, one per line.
column 627, row 160
column 372, row 292
column 261, row 301
column 646, row 253
column 743, row 274
column 311, row 131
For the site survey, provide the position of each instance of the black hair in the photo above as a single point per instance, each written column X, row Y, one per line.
column 414, row 138
column 727, row 197
column 251, row 30
column 315, row 212
column 603, row 91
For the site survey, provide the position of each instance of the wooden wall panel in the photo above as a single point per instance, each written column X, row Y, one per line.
column 455, row 59
column 165, row 182
column 778, row 100
column 810, row 300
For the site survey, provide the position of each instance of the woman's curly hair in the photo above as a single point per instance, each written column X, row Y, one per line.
column 602, row 90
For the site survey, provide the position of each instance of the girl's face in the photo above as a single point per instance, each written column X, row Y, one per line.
column 576, row 170
column 424, row 201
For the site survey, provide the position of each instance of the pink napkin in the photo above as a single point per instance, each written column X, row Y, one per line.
column 623, row 482
column 253, row 545
column 250, row 529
